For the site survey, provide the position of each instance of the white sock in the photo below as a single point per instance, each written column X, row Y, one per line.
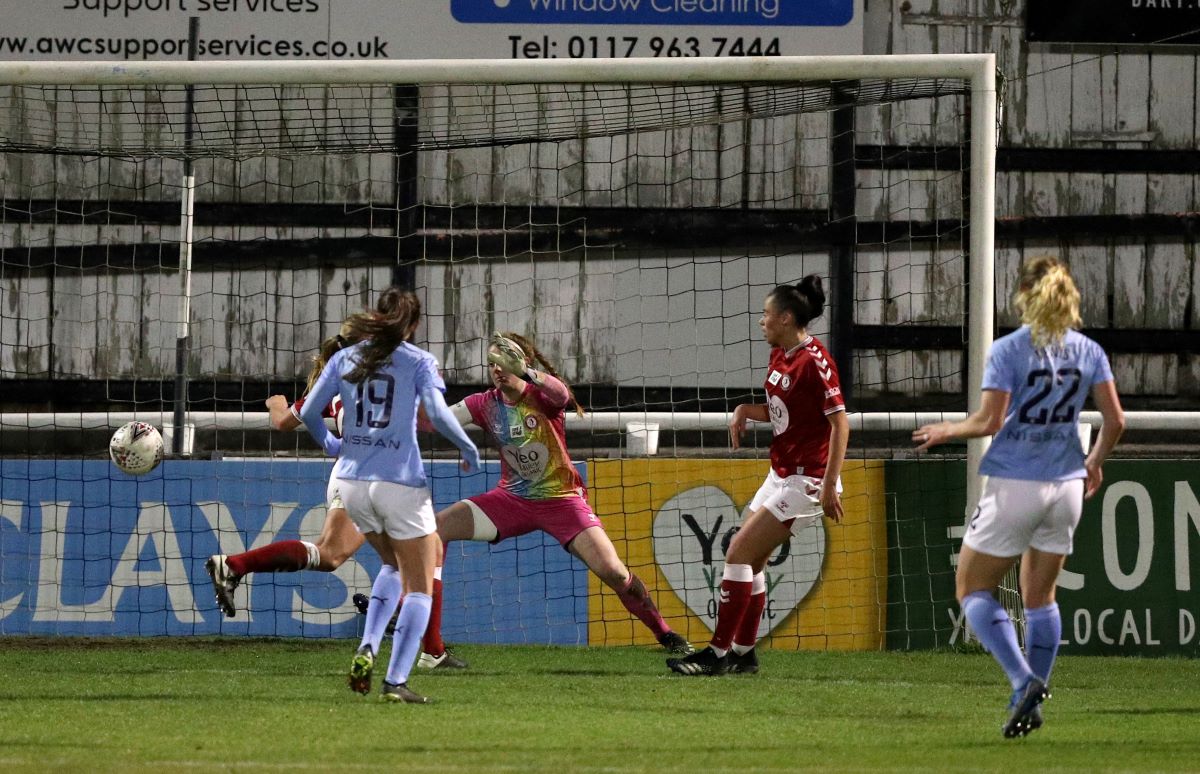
column 314, row 555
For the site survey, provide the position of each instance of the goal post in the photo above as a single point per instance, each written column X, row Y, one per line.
column 630, row 214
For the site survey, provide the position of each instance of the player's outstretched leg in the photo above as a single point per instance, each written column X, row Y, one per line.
column 224, row 581
column 702, row 662
column 596, row 550
column 1024, row 701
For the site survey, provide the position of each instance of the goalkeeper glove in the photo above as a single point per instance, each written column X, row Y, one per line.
column 507, row 354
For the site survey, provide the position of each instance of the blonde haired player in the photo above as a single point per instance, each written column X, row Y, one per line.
column 1036, row 476
column 808, row 416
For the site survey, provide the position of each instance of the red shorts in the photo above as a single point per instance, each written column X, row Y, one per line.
column 563, row 518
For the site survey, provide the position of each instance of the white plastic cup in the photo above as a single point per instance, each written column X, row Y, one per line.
column 641, row 439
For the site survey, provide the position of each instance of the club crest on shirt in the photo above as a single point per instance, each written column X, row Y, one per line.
column 531, row 422
column 774, row 377
column 786, row 382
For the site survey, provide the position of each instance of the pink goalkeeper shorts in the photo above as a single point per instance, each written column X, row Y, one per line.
column 563, row 518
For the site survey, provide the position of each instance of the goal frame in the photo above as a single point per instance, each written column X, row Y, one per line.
column 977, row 70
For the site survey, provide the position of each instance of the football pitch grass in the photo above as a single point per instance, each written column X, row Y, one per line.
column 233, row 704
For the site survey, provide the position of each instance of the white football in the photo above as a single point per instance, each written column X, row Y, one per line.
column 136, row 448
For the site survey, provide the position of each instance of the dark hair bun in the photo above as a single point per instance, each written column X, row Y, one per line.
column 812, row 289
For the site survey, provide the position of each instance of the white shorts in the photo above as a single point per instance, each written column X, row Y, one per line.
column 333, row 499
column 402, row 512
column 1015, row 514
column 795, row 497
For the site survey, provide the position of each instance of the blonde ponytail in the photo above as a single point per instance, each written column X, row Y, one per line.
column 1047, row 300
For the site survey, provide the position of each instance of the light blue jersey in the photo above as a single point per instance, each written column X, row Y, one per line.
column 379, row 423
column 1047, row 387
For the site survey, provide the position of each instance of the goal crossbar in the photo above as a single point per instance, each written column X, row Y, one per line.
column 978, row 69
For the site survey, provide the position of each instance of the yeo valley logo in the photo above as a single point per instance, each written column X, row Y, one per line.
column 692, row 532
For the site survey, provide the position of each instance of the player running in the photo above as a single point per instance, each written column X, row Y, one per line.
column 381, row 479
column 539, row 488
column 1035, row 476
column 339, row 538
column 808, row 417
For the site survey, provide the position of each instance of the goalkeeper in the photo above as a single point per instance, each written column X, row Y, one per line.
column 540, row 489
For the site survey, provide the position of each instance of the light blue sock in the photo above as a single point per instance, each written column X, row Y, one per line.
column 995, row 630
column 1043, row 630
column 410, row 628
column 385, row 595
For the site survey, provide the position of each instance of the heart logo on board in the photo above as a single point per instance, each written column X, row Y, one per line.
column 692, row 531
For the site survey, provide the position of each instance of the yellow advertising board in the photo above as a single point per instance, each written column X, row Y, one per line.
column 671, row 521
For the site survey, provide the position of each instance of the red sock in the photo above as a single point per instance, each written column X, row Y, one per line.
column 747, row 633
column 284, row 556
column 637, row 601
column 735, row 598
column 432, row 642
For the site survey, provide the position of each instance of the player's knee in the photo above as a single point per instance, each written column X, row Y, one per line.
column 737, row 553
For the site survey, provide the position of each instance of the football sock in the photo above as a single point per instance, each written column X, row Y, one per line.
column 736, row 587
column 414, row 617
column 747, row 632
column 995, row 630
column 385, row 595
column 1043, row 630
column 284, row 556
column 637, row 601
column 432, row 642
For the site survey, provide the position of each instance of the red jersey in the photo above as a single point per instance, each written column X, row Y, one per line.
column 332, row 411
column 802, row 390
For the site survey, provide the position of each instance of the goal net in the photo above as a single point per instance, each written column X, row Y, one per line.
column 177, row 240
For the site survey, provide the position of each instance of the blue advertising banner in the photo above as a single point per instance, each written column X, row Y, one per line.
column 86, row 550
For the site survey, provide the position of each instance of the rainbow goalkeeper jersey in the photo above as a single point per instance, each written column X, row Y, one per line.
column 534, row 462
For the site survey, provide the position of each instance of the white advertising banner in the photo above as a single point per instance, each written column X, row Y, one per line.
column 428, row 29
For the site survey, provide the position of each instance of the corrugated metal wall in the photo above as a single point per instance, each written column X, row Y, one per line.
column 612, row 315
